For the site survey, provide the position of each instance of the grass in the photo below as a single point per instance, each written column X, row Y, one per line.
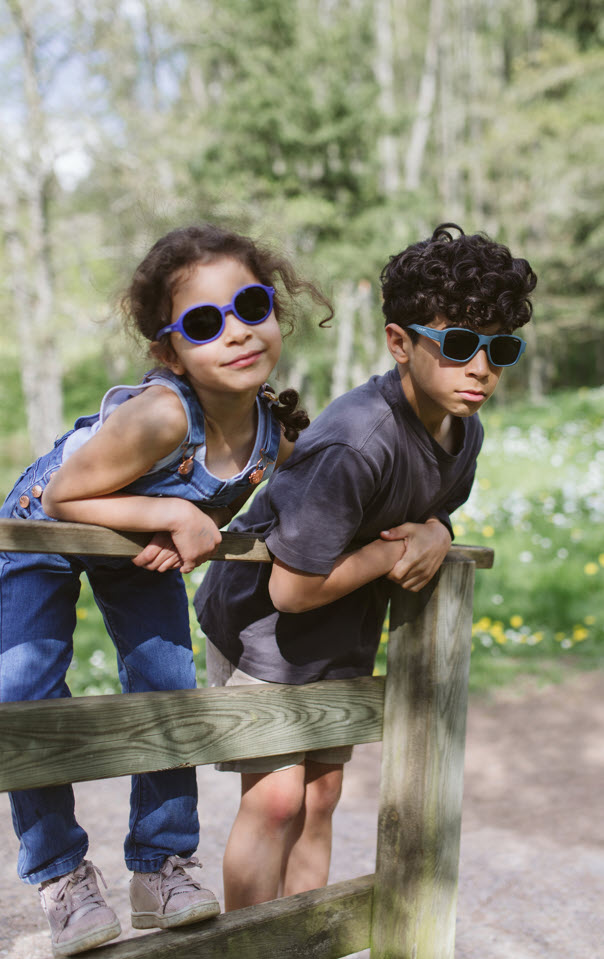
column 538, row 500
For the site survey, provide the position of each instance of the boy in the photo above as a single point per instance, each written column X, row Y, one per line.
column 364, row 498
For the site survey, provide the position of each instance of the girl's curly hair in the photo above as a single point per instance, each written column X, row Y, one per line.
column 471, row 280
column 147, row 302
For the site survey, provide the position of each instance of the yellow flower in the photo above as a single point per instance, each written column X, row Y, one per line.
column 580, row 633
column 488, row 531
column 559, row 637
column 601, row 559
column 459, row 529
column 484, row 483
column 82, row 613
column 589, row 620
column 537, row 637
column 195, row 649
column 590, row 569
column 516, row 621
column 482, row 625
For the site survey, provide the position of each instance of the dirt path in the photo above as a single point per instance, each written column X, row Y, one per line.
column 532, row 854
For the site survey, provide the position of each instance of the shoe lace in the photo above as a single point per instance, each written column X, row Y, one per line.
column 78, row 891
column 174, row 878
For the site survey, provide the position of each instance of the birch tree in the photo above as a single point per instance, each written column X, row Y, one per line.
column 28, row 182
column 425, row 100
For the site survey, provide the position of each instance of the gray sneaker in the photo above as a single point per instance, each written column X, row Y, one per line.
column 170, row 897
column 78, row 916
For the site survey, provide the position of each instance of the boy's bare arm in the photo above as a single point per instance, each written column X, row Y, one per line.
column 294, row 591
column 427, row 545
column 419, row 551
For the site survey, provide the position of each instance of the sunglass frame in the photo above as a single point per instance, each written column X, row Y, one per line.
column 178, row 325
column 483, row 340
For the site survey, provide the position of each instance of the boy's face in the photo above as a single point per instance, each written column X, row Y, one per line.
column 435, row 386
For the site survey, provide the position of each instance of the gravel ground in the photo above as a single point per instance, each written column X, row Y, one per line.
column 532, row 851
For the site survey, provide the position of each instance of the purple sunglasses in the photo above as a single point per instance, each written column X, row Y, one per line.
column 205, row 322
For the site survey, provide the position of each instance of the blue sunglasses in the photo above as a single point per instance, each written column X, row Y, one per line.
column 205, row 322
column 460, row 345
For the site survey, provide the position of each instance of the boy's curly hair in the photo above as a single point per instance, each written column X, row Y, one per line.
column 471, row 280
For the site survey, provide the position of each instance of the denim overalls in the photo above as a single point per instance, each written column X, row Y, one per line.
column 146, row 615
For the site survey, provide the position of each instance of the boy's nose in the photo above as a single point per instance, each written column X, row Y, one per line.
column 479, row 364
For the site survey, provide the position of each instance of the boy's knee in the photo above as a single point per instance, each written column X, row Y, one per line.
column 276, row 799
column 323, row 793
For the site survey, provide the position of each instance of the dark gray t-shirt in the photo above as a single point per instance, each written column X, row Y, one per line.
column 365, row 464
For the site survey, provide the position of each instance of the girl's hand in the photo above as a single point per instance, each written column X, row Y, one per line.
column 195, row 537
column 426, row 545
column 159, row 554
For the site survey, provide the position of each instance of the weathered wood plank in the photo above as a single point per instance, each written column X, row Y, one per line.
column 38, row 536
column 481, row 556
column 96, row 737
column 322, row 924
column 422, row 774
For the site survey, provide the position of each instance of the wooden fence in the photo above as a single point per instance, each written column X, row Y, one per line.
column 406, row 910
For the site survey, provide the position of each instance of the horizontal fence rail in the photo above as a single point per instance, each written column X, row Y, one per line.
column 323, row 924
column 42, row 536
column 56, row 741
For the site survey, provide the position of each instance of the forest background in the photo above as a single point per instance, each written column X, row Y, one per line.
column 340, row 130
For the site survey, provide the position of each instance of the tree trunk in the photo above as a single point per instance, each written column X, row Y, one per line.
column 345, row 319
column 28, row 249
column 425, row 101
column 384, row 73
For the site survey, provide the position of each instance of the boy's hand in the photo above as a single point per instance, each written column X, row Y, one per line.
column 427, row 544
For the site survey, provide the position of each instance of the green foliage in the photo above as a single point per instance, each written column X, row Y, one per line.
column 538, row 502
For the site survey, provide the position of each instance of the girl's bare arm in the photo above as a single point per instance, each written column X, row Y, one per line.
column 86, row 489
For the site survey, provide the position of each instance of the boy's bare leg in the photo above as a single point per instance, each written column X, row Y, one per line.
column 270, row 804
column 308, row 851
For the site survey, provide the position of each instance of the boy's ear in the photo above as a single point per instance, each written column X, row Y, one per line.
column 398, row 342
column 164, row 354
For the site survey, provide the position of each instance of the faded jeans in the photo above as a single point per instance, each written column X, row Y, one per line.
column 146, row 615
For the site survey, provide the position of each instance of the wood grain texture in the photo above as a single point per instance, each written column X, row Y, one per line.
column 322, row 924
column 96, row 737
column 39, row 536
column 422, row 774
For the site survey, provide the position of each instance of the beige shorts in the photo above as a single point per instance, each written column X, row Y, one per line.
column 222, row 673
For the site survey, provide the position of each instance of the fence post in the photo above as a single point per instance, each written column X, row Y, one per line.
column 415, row 893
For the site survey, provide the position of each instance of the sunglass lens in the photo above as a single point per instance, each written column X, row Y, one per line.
column 460, row 344
column 202, row 323
column 505, row 350
column 253, row 304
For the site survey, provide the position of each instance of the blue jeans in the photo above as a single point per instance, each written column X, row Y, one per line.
column 146, row 615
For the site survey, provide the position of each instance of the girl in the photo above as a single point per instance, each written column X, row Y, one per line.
column 201, row 429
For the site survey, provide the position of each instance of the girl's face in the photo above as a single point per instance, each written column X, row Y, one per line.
column 243, row 356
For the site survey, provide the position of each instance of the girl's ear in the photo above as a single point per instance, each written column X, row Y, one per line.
column 399, row 342
column 164, row 354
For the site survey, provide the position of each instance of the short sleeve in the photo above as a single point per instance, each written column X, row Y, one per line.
column 319, row 503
